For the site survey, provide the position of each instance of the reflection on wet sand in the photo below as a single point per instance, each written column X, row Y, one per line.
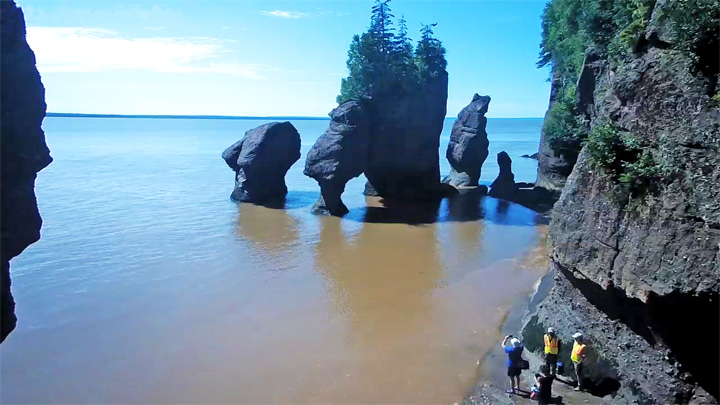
column 465, row 206
column 381, row 285
column 268, row 228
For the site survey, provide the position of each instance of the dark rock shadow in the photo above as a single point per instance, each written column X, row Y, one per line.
column 420, row 213
column 293, row 200
column 467, row 206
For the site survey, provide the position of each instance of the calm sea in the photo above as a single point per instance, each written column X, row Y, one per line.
column 150, row 286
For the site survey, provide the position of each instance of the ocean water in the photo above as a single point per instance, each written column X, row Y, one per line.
column 150, row 286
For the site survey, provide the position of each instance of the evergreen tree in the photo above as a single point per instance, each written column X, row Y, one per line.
column 381, row 26
column 405, row 68
column 430, row 54
column 381, row 63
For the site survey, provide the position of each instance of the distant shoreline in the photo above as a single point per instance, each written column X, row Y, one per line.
column 219, row 117
column 190, row 117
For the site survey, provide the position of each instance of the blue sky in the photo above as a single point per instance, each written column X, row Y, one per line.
column 266, row 57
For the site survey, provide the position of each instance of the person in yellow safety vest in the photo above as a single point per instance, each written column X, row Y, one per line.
column 551, row 350
column 577, row 357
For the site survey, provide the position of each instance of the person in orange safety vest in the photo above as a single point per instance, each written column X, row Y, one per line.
column 552, row 348
column 578, row 357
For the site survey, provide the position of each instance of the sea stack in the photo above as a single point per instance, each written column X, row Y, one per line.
column 261, row 160
column 339, row 155
column 468, row 146
column 23, row 153
column 504, row 185
column 403, row 158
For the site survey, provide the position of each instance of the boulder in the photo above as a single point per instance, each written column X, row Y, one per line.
column 261, row 160
column 23, row 153
column 339, row 155
column 504, row 185
column 403, row 159
column 533, row 156
column 468, row 146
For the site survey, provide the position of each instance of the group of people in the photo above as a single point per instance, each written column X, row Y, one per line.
column 548, row 371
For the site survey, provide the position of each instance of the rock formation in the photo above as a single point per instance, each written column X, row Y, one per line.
column 261, row 160
column 529, row 195
column 638, row 272
column 504, row 185
column 339, row 155
column 554, row 164
column 468, row 146
column 403, row 160
column 24, row 152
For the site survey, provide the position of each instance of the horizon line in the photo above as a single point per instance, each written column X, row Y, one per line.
column 221, row 117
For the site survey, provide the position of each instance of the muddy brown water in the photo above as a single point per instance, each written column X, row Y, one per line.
column 149, row 286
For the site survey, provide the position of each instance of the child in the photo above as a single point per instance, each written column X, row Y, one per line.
column 544, row 381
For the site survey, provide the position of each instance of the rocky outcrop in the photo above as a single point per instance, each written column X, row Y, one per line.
column 536, row 198
column 403, row 160
column 639, row 271
column 261, row 160
column 555, row 163
column 339, row 155
column 504, row 185
column 468, row 146
column 23, row 153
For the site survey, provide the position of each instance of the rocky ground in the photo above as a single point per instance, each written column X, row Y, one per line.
column 494, row 382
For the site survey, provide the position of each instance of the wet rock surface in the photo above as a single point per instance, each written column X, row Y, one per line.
column 261, row 160
column 468, row 146
column 639, row 273
column 339, row 155
column 24, row 152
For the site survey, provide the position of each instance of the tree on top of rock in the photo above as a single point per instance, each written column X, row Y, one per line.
column 381, row 27
column 430, row 54
column 382, row 63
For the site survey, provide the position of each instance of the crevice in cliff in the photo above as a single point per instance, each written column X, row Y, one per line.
column 614, row 303
column 683, row 325
column 688, row 325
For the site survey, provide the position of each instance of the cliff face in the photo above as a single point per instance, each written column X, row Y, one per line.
column 24, row 153
column 639, row 272
column 554, row 166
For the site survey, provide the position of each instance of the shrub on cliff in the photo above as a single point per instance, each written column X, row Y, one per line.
column 627, row 160
column 383, row 62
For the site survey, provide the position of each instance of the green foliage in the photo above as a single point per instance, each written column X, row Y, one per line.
column 604, row 145
column 715, row 100
column 564, row 128
column 695, row 22
column 381, row 62
column 429, row 55
column 623, row 156
column 642, row 174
